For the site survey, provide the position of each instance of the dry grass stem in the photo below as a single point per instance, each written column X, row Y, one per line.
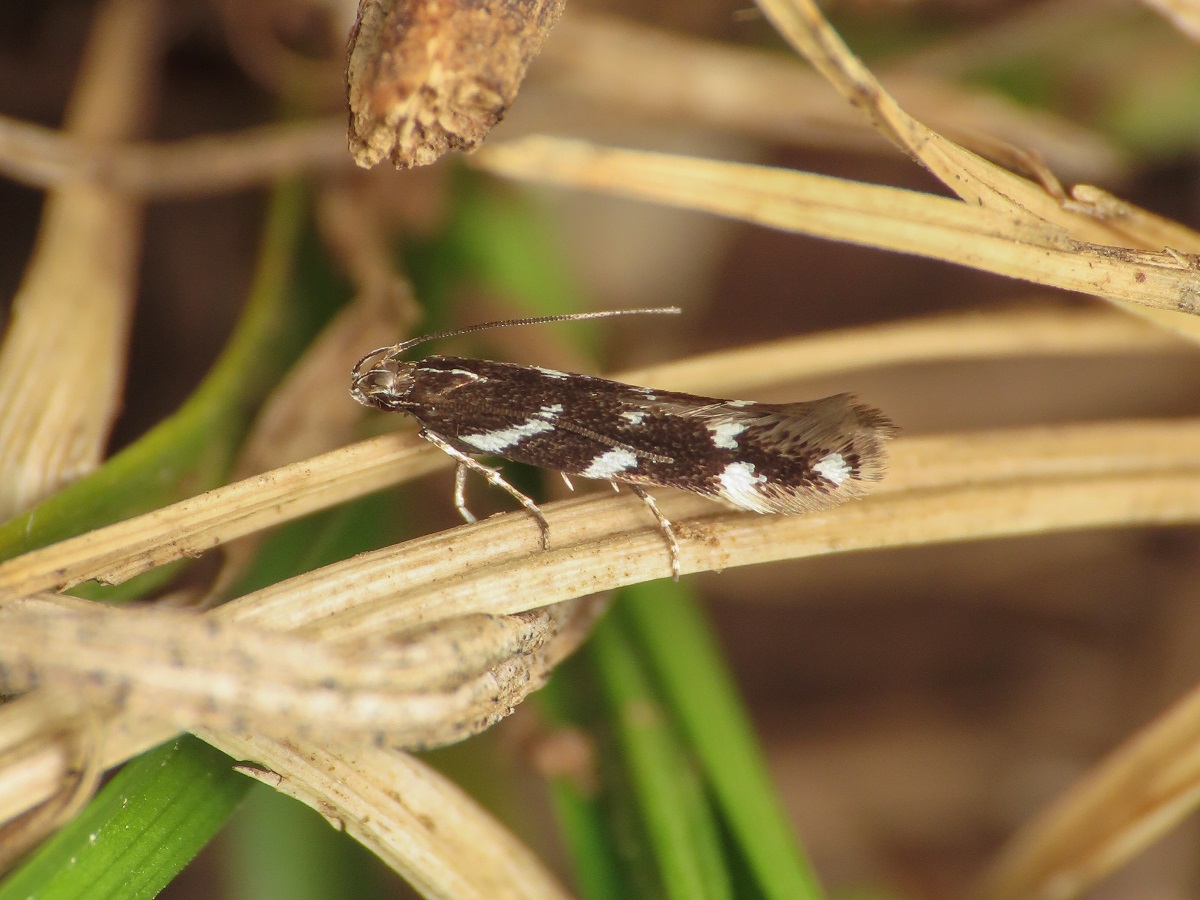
column 991, row 334
column 48, row 158
column 986, row 185
column 1136, row 224
column 997, row 240
column 621, row 63
column 969, row 176
column 118, row 552
column 1141, row 792
column 1019, row 482
column 1183, row 14
column 432, row 688
column 412, row 817
column 159, row 672
column 63, row 356
column 77, row 781
column 1087, row 477
column 648, row 72
column 34, row 767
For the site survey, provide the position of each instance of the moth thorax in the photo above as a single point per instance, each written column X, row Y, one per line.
column 385, row 385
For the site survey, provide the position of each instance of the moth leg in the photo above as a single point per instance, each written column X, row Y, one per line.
column 567, row 481
column 664, row 525
column 460, row 486
column 493, row 477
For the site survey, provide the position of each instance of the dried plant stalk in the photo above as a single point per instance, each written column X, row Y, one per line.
column 991, row 239
column 1020, row 482
column 1137, row 795
column 1009, row 225
column 984, row 184
column 119, row 552
column 427, row 76
column 647, row 72
column 430, row 688
column 62, row 362
column 991, row 334
column 1183, row 14
column 161, row 672
column 45, row 157
column 412, row 817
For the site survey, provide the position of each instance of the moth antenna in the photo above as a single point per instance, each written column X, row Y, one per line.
column 397, row 349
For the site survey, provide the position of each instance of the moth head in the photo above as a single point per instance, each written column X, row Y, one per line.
column 381, row 380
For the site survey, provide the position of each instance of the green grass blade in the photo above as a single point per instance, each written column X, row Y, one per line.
column 138, row 831
column 687, row 662
column 597, row 869
column 668, row 797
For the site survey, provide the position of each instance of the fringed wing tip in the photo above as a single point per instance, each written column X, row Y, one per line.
column 872, row 429
column 852, row 436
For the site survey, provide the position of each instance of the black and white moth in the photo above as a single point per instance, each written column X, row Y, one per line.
column 762, row 457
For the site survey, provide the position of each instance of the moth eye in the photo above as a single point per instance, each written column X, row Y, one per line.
column 374, row 382
column 381, row 387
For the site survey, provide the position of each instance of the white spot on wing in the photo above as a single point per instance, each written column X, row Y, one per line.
column 471, row 375
column 549, row 412
column 634, row 416
column 739, row 403
column 610, row 463
column 739, row 486
column 551, row 373
column 502, row 438
column 725, row 432
column 832, row 467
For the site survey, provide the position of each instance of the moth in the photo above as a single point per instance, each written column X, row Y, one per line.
column 761, row 457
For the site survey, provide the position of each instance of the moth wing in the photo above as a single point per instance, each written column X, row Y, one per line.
column 793, row 457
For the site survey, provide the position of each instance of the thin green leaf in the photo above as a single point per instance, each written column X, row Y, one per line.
column 139, row 831
column 686, row 660
column 669, row 799
column 577, row 797
column 597, row 870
